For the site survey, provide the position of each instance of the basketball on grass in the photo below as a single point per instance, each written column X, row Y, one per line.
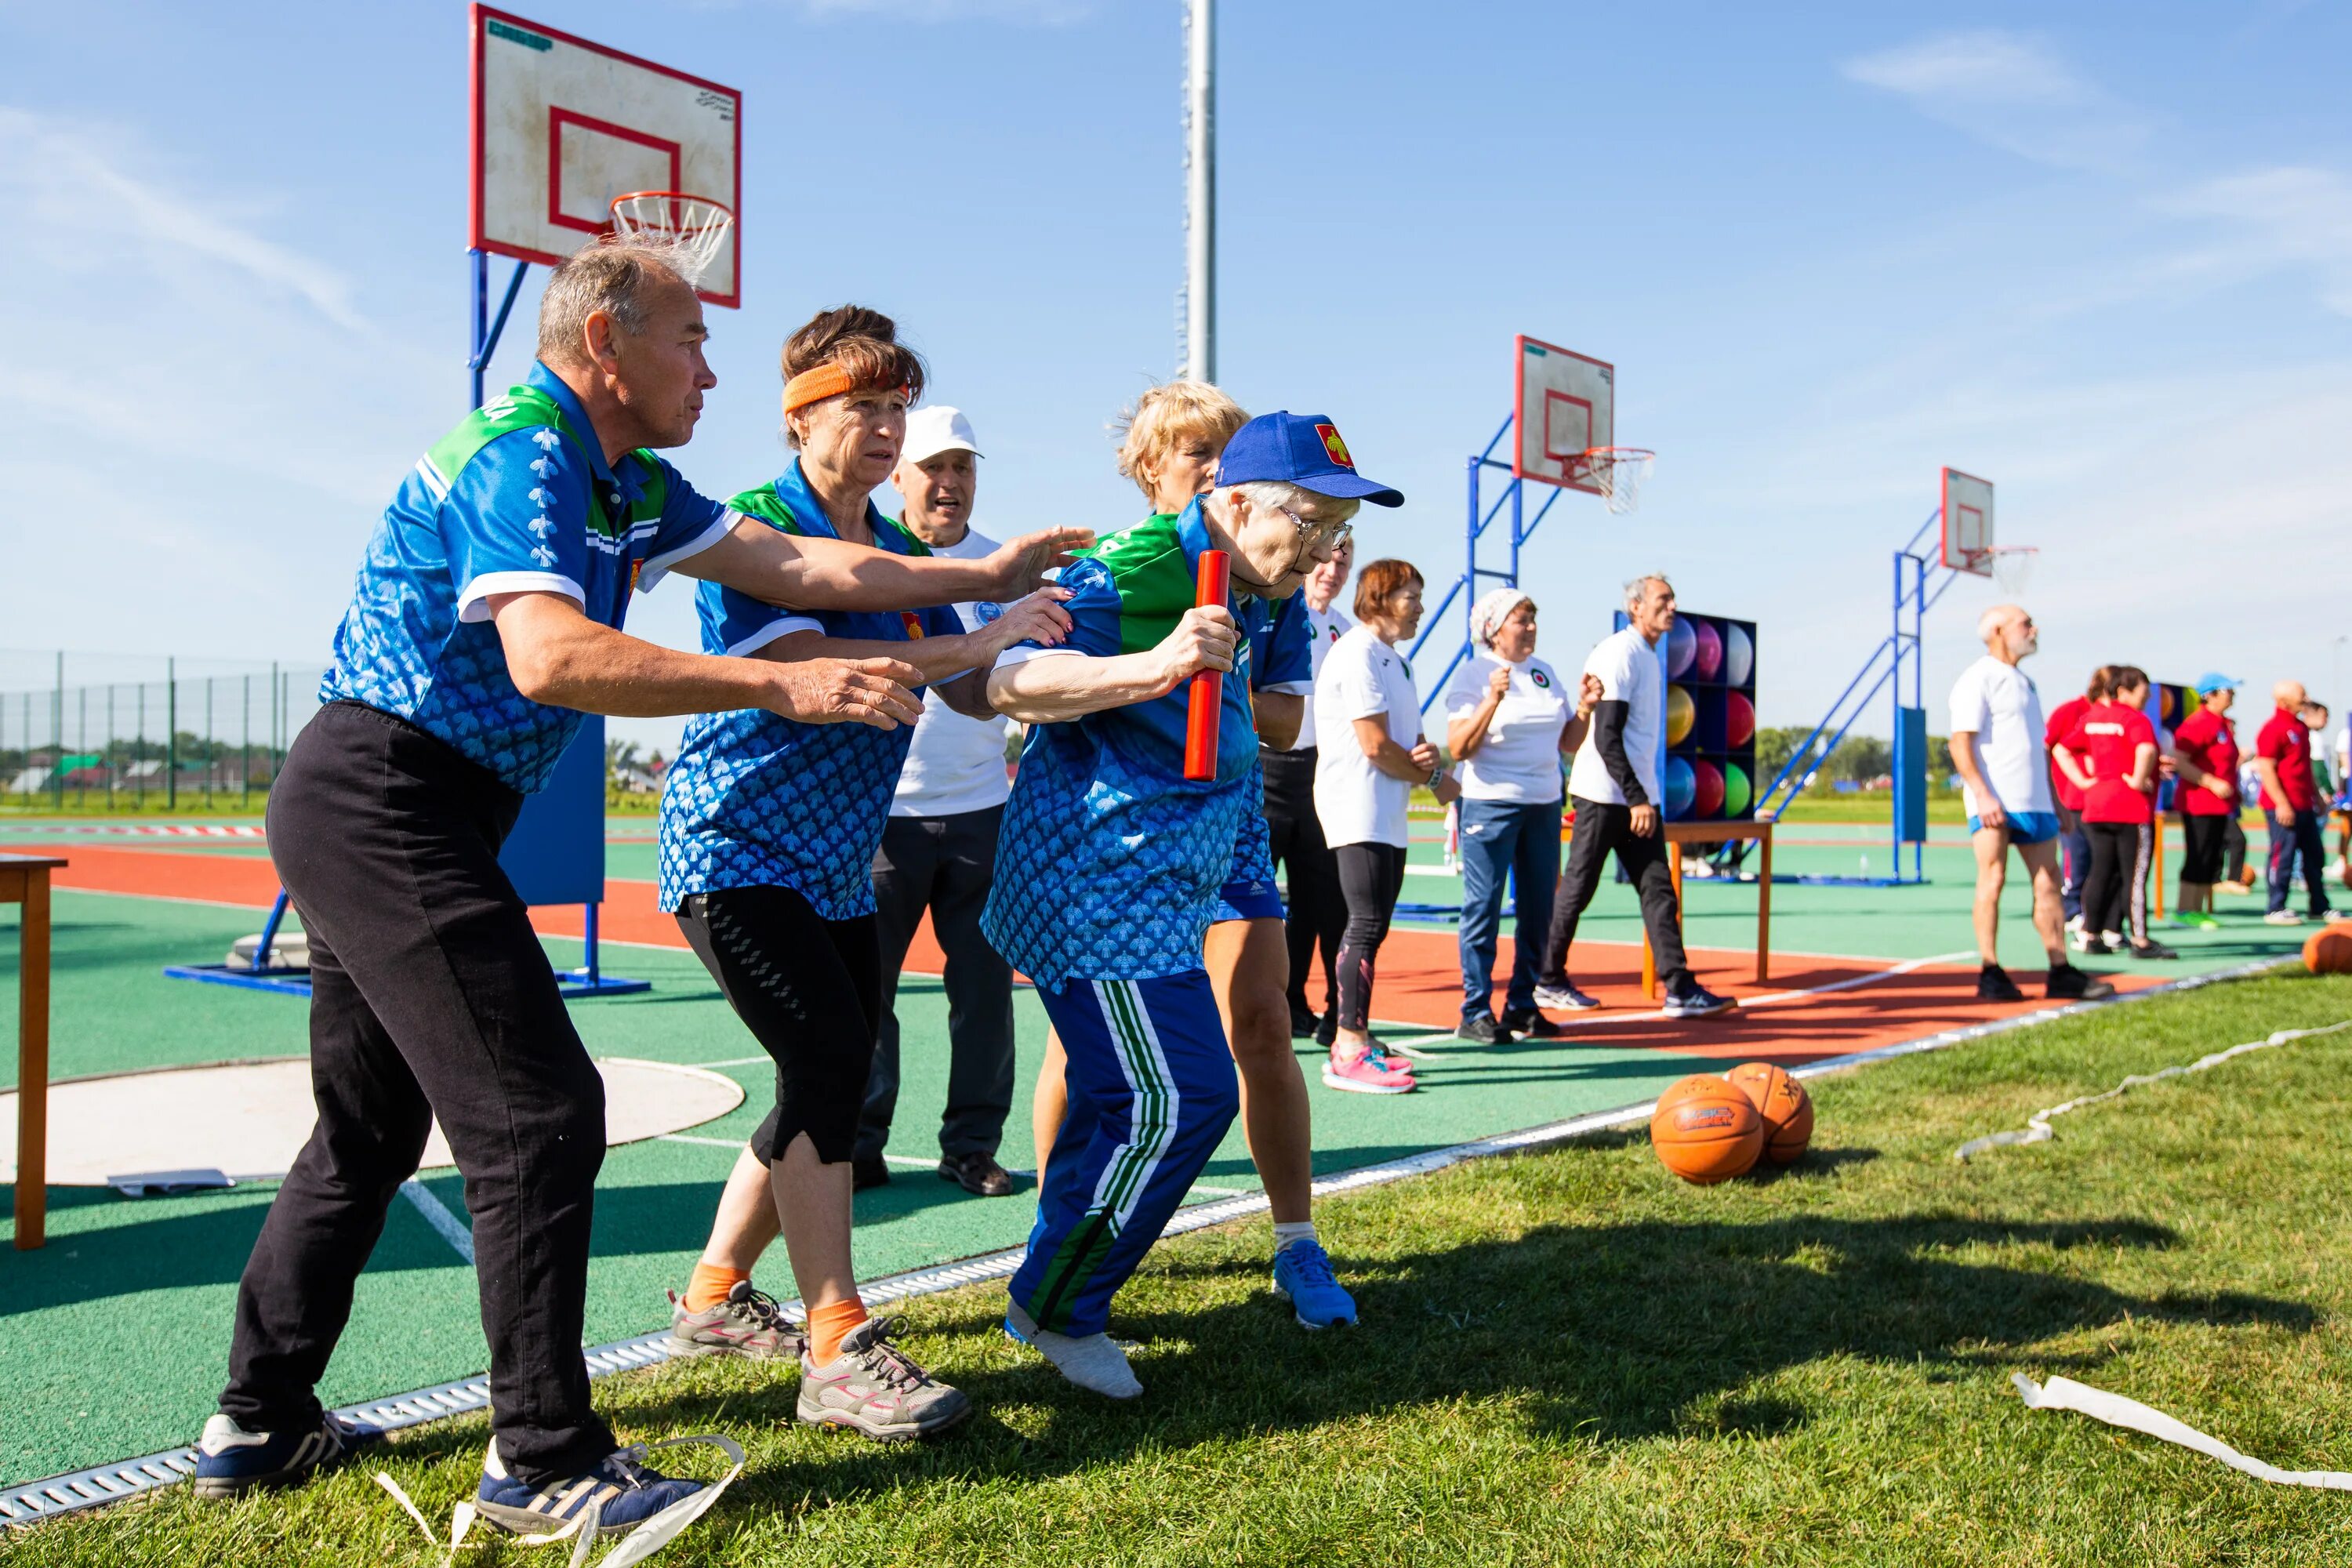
column 1782, row 1103
column 2328, row 951
column 1706, row 1130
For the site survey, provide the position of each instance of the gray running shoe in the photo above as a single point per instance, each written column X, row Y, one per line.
column 748, row 1323
column 875, row 1388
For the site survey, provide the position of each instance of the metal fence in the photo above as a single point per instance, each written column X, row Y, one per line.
column 114, row 732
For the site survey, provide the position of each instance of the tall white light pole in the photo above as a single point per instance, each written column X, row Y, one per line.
column 1198, row 354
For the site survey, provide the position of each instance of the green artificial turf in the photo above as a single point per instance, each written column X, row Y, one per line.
column 1569, row 1357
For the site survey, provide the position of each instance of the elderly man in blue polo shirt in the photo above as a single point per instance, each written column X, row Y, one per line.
column 484, row 622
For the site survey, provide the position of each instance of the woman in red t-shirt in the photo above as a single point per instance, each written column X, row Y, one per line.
column 2073, row 843
column 2205, row 774
column 2110, row 756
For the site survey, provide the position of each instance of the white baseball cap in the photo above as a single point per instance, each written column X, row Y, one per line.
column 936, row 429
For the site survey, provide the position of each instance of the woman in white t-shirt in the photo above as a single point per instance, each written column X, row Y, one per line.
column 1508, row 720
column 1370, row 754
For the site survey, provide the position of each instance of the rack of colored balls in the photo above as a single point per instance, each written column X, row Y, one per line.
column 1710, row 739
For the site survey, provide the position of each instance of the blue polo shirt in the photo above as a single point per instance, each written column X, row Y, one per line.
column 1108, row 861
column 757, row 800
column 518, row 497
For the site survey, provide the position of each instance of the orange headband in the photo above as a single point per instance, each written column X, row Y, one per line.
column 816, row 386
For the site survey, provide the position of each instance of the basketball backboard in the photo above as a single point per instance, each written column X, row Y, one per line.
column 1567, row 404
column 1968, row 523
column 562, row 126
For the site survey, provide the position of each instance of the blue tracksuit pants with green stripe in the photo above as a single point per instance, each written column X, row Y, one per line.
column 1151, row 1091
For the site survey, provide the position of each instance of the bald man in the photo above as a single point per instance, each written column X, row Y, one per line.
column 1997, row 745
column 2290, row 804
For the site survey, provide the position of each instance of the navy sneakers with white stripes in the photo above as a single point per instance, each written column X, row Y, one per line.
column 231, row 1460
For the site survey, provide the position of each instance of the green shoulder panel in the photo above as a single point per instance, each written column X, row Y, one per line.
column 914, row 545
column 768, row 506
column 1147, row 565
column 528, row 408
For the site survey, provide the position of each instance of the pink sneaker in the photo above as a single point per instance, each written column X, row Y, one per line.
column 1368, row 1071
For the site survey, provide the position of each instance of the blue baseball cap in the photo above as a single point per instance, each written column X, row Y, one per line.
column 1302, row 449
column 2213, row 680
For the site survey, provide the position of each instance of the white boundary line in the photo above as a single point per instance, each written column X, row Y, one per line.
column 30, row 1501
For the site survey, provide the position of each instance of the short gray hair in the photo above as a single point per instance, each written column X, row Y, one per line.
column 614, row 275
column 1634, row 586
column 1269, row 494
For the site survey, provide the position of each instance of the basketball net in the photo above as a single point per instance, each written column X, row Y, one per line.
column 693, row 226
column 1617, row 472
column 2012, row 566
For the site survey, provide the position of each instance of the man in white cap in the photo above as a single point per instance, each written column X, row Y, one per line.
column 938, row 853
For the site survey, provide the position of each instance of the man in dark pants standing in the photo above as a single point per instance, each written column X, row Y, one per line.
column 484, row 623
column 1613, row 788
column 938, row 853
column 1315, row 911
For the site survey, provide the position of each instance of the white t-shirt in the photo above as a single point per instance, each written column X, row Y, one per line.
column 1998, row 703
column 1519, row 760
column 1323, row 628
column 1356, row 802
column 1628, row 668
column 954, row 763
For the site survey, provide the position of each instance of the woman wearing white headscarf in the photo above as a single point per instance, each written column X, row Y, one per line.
column 1507, row 724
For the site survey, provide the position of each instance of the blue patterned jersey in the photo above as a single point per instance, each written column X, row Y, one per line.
column 518, row 497
column 1109, row 860
column 759, row 800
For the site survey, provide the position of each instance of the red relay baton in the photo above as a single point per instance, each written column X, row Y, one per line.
column 1208, row 694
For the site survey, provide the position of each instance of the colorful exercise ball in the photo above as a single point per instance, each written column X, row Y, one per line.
column 1681, row 714
column 1739, row 721
column 1706, row 1130
column 1680, row 785
column 1738, row 655
column 1681, row 646
column 1706, row 794
column 2327, row 951
column 2169, row 705
column 1738, row 791
column 1710, row 663
column 1782, row 1103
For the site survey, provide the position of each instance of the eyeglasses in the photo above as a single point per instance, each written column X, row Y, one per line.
column 1314, row 534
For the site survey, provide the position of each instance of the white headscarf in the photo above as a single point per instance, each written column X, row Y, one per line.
column 1493, row 608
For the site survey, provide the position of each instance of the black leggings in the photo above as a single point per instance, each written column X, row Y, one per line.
column 1370, row 878
column 2204, row 838
column 809, row 990
column 2116, row 892
column 1316, row 912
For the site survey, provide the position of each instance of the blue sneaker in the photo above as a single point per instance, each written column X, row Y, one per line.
column 230, row 1460
column 1302, row 1277
column 628, row 1493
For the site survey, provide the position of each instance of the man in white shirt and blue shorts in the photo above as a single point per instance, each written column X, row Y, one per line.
column 2004, row 768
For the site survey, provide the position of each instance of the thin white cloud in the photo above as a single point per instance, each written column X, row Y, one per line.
column 61, row 181
column 2288, row 217
column 2012, row 91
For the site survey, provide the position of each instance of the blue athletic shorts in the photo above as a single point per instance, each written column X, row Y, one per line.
column 2026, row 826
column 1248, row 893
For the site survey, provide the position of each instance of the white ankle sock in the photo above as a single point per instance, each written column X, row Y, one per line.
column 1091, row 1360
column 1287, row 1231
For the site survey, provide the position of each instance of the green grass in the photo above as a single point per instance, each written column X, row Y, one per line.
column 1569, row 1357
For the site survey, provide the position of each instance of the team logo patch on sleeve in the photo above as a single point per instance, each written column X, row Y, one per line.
column 1333, row 444
column 914, row 624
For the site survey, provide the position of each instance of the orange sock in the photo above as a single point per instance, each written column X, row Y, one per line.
column 710, row 1286
column 829, row 1325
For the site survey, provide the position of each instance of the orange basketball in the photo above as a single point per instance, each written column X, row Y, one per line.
column 1706, row 1130
column 2328, row 951
column 1782, row 1103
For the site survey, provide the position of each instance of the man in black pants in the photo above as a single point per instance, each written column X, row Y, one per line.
column 1613, row 788
column 1315, row 912
column 484, row 622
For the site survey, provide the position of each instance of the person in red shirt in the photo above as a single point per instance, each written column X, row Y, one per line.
column 2205, row 771
column 2291, row 803
column 2110, row 756
column 2074, row 843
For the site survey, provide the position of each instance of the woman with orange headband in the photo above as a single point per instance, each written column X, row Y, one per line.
column 768, row 833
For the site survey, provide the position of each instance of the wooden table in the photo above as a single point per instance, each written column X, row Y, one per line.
column 1679, row 833
column 25, row 880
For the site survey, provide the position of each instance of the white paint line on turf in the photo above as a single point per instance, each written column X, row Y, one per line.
column 436, row 1215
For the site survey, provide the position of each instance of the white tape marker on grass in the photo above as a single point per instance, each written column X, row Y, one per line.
column 2065, row 1394
column 2037, row 1126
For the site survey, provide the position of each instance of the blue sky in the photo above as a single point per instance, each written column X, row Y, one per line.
column 2101, row 254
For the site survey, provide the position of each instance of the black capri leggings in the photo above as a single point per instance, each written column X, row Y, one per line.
column 2115, row 897
column 2205, row 840
column 809, row 990
column 1370, row 878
